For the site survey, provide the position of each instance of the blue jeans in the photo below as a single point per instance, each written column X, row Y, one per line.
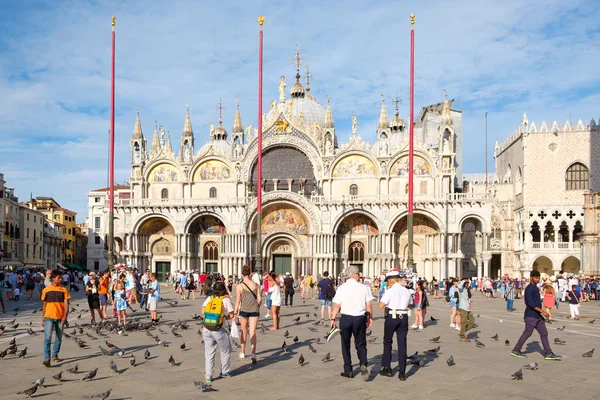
column 143, row 300
column 49, row 325
column 509, row 305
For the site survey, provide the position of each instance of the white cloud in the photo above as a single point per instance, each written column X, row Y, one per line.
column 501, row 57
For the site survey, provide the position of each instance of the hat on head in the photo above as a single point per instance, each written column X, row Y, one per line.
column 548, row 282
column 392, row 273
column 287, row 274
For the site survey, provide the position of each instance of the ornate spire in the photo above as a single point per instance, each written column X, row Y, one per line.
column 137, row 129
column 446, row 115
column 237, row 124
column 187, row 126
column 155, row 140
column 397, row 122
column 297, row 90
column 169, row 146
column 383, row 118
column 308, row 76
column 220, row 132
column 328, row 116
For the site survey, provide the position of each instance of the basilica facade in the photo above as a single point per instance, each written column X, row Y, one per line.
column 326, row 204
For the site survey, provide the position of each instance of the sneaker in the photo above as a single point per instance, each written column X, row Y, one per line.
column 227, row 375
column 346, row 374
column 56, row 359
column 253, row 358
column 518, row 354
column 457, row 328
column 242, row 355
column 553, row 357
column 46, row 363
column 364, row 373
column 452, row 325
column 208, row 379
column 420, row 327
column 413, row 326
column 386, row 371
column 402, row 376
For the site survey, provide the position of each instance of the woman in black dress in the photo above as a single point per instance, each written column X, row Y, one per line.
column 91, row 289
column 191, row 287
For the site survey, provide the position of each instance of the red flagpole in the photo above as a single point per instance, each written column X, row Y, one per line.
column 410, row 262
column 261, row 21
column 111, row 162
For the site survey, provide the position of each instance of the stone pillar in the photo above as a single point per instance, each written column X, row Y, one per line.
column 480, row 269
column 486, row 267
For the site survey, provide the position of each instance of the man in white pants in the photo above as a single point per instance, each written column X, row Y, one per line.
column 574, row 298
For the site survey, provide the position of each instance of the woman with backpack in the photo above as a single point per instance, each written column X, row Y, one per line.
column 215, row 309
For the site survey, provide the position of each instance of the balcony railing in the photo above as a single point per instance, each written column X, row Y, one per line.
column 553, row 245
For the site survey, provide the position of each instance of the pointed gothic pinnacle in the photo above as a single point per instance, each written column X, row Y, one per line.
column 137, row 129
column 237, row 124
column 328, row 115
column 155, row 141
column 169, row 146
column 383, row 119
column 446, row 114
column 187, row 126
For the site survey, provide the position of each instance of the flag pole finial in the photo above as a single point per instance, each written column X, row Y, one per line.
column 412, row 19
column 114, row 21
column 261, row 20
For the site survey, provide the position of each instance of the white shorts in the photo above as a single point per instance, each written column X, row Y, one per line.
column 152, row 304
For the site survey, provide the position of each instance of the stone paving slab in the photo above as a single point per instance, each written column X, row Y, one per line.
column 480, row 373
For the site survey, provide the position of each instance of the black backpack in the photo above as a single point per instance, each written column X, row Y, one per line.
column 330, row 292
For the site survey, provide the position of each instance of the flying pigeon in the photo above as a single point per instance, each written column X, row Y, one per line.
column 74, row 369
column 171, row 361
column 113, row 367
column 90, row 375
column 326, row 358
column 495, row 337
column 30, row 391
column 102, row 396
column 450, row 361
column 58, row 376
column 301, row 360
column 435, row 339
column 517, row 376
column 532, row 367
column 588, row 354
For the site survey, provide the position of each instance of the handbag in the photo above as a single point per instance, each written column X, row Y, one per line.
column 235, row 333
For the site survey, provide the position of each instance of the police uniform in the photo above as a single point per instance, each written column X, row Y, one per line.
column 397, row 298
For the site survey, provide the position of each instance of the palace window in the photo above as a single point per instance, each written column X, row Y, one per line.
column 212, row 193
column 577, row 177
column 356, row 253
column 353, row 190
column 211, row 251
column 164, row 194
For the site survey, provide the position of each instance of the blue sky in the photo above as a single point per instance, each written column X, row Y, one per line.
column 504, row 57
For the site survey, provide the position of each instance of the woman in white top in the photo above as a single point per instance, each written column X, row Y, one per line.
column 275, row 292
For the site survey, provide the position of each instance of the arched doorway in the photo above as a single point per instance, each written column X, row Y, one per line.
column 204, row 243
column 471, row 245
column 156, row 236
column 281, row 252
column 356, row 237
column 424, row 228
column 356, row 255
column 543, row 264
column 570, row 265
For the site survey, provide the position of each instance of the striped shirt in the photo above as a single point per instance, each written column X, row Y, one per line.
column 54, row 297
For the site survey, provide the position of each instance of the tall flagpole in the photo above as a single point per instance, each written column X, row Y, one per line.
column 410, row 262
column 486, row 154
column 261, row 21
column 111, row 158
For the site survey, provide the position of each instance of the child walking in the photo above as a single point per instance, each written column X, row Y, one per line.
column 121, row 303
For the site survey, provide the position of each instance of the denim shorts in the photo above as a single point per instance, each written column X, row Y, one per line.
column 103, row 300
column 244, row 314
column 328, row 303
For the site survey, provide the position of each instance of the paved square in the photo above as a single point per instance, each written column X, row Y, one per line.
column 479, row 373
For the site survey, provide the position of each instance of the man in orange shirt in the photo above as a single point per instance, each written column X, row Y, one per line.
column 54, row 315
column 103, row 292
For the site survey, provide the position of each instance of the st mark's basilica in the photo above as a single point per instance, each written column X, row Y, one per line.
column 328, row 204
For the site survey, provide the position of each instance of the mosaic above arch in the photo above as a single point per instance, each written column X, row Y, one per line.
column 421, row 225
column 164, row 173
column 212, row 170
column 354, row 166
column 283, row 217
column 357, row 224
column 207, row 224
column 420, row 166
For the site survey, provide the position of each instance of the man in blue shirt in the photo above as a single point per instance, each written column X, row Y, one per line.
column 534, row 319
column 183, row 284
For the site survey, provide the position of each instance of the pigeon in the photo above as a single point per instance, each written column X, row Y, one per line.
column 40, row 382
column 104, row 351
column 562, row 328
column 132, row 361
column 177, row 335
column 102, row 396
column 307, row 315
column 196, row 317
column 561, row 343
column 450, row 361
column 592, row 321
column 435, row 339
column 23, row 352
column 113, row 367
column 296, row 320
column 13, row 341
column 30, row 391
column 284, row 345
column 588, row 354
column 301, row 360
column 90, row 375
column 369, row 332
column 91, row 336
column 317, row 323
column 418, row 363
column 433, row 319
column 171, row 361
column 3, row 354
column 315, row 315
column 204, row 387
column 310, row 328
column 318, row 341
column 58, row 376
column 146, row 354
column 507, row 342
column 120, row 353
column 434, row 351
column 479, row 344
column 326, row 358
column 414, row 356
column 517, row 376
column 109, row 344
column 74, row 369
column 495, row 337
column 295, row 339
column 286, row 334
column 15, row 326
column 199, row 332
column 182, row 347
column 372, row 340
column 12, row 350
column 16, row 309
column 30, row 332
column 172, row 303
column 532, row 367
column 311, row 348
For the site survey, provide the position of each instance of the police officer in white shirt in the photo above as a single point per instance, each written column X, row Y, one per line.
column 397, row 303
column 353, row 301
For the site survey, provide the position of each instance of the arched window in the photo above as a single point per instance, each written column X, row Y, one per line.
column 212, row 193
column 353, row 190
column 356, row 253
column 577, row 177
column 211, row 251
column 164, row 194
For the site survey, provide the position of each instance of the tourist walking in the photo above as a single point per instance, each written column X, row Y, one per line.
column 452, row 297
column 55, row 311
column 353, row 301
column 510, row 296
column 467, row 320
column 549, row 298
column 534, row 319
column 574, row 299
column 93, row 297
column 104, row 283
column 153, row 297
column 288, row 284
column 323, row 287
column 274, row 293
column 247, row 306
column 395, row 302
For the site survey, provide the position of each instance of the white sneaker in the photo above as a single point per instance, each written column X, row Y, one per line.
column 457, row 328
column 267, row 316
column 413, row 326
column 420, row 327
column 242, row 355
column 452, row 325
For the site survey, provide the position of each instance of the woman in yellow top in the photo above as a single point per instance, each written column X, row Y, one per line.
column 308, row 285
